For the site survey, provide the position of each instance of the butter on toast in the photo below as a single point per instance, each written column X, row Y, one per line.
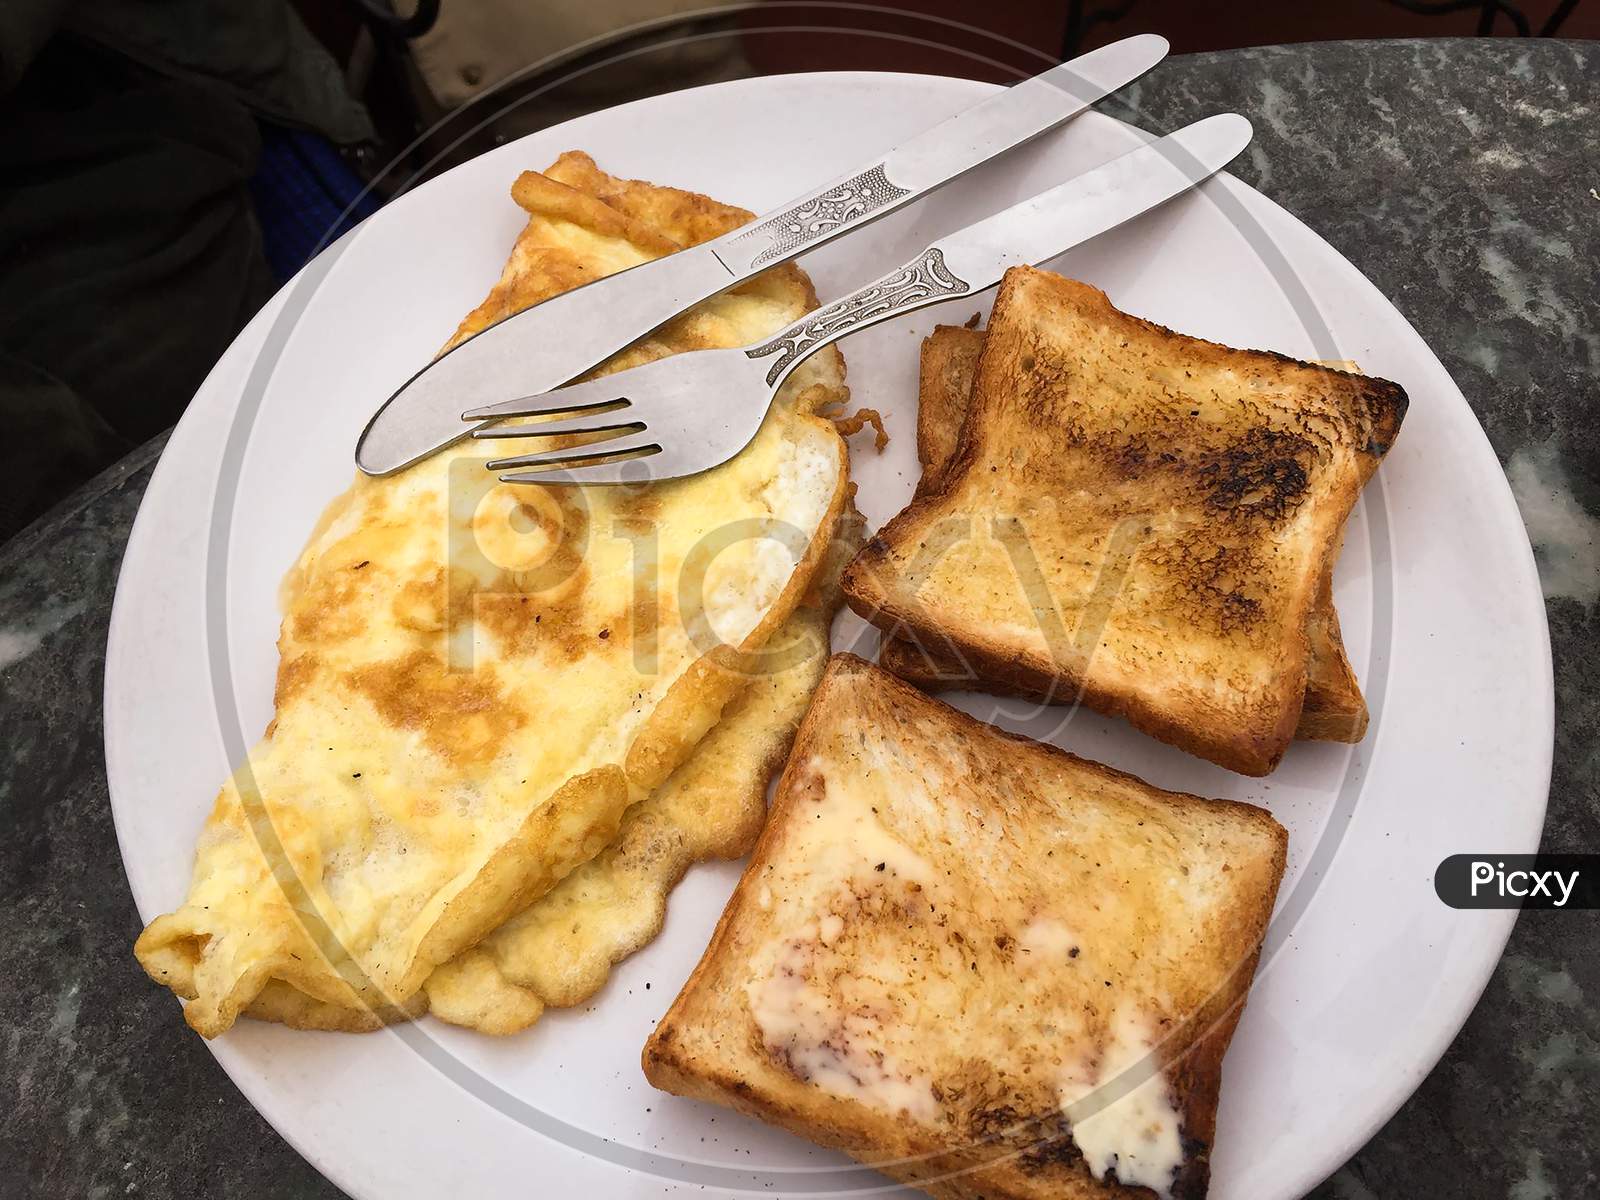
column 981, row 964
column 1334, row 710
column 1134, row 518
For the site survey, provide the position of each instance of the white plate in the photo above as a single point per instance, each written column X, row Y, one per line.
column 1367, row 976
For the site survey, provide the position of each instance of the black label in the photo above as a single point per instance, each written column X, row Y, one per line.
column 1519, row 881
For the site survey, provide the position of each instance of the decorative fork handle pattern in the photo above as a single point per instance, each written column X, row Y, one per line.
column 819, row 216
column 924, row 280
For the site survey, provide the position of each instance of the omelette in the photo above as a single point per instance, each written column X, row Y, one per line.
column 559, row 952
column 477, row 680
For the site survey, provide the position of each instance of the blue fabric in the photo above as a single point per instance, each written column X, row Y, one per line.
column 301, row 191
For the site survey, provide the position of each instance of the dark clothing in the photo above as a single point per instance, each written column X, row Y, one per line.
column 130, row 255
column 131, row 260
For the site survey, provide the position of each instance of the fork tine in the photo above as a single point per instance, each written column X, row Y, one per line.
column 639, row 445
column 575, row 397
column 551, row 429
column 599, row 445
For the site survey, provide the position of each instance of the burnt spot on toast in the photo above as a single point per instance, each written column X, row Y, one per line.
column 1386, row 405
column 1263, row 476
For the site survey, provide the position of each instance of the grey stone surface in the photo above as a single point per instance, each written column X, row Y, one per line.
column 1463, row 177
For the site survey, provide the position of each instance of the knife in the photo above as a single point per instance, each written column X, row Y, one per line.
column 686, row 413
column 551, row 343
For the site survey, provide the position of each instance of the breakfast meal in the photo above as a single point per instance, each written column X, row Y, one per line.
column 509, row 717
column 949, row 940
column 408, row 796
column 1334, row 708
column 1136, row 519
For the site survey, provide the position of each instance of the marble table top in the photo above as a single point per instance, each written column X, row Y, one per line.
column 1462, row 176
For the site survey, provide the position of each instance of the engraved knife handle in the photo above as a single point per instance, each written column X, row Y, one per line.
column 818, row 217
column 1039, row 228
column 935, row 156
column 925, row 280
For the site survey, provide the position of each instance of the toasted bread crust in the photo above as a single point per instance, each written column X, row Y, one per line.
column 999, row 1132
column 1231, row 472
column 944, row 389
column 1334, row 709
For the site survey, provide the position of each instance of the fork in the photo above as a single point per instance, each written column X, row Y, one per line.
column 687, row 413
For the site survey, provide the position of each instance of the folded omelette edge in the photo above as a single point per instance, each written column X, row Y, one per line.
column 559, row 952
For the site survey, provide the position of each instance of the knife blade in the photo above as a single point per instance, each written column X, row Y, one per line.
column 551, row 343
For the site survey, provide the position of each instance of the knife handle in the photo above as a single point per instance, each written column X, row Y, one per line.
column 935, row 156
column 925, row 280
column 814, row 219
column 1037, row 229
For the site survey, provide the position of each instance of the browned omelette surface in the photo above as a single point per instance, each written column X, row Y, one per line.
column 559, row 951
column 473, row 684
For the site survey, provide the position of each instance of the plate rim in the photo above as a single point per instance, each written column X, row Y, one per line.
column 1431, row 1051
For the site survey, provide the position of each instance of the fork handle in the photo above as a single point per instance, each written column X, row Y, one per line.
column 1033, row 231
column 925, row 280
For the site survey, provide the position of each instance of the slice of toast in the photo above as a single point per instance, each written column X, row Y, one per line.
column 1334, row 710
column 1134, row 518
column 983, row 965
